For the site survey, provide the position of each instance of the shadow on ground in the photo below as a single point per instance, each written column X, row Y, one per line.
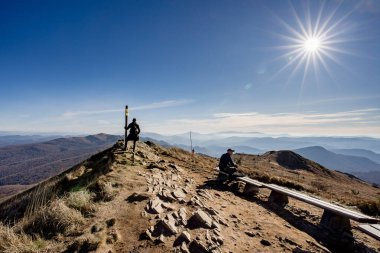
column 337, row 243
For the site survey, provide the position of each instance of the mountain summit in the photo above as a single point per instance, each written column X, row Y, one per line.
column 166, row 200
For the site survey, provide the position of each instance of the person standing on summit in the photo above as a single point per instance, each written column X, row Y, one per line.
column 133, row 133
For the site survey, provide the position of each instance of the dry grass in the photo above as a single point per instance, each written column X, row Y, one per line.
column 103, row 190
column 334, row 185
column 55, row 218
column 81, row 201
column 369, row 207
column 12, row 242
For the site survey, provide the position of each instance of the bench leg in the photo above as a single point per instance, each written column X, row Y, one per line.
column 250, row 189
column 222, row 176
column 334, row 222
column 278, row 199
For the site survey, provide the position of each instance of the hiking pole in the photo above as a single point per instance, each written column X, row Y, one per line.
column 126, row 131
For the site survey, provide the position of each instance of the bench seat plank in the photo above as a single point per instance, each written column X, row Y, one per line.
column 370, row 229
column 323, row 204
column 251, row 181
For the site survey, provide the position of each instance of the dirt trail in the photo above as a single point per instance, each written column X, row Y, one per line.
column 167, row 201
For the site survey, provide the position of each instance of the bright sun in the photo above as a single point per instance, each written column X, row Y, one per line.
column 313, row 40
column 312, row 45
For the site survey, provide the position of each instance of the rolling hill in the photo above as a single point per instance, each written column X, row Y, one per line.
column 359, row 152
column 345, row 163
column 31, row 163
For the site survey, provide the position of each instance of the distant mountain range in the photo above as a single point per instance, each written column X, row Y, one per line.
column 345, row 163
column 359, row 152
column 355, row 155
column 31, row 163
column 45, row 156
column 8, row 140
column 264, row 143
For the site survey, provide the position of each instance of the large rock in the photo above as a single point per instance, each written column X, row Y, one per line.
column 184, row 237
column 166, row 226
column 179, row 194
column 200, row 219
column 197, row 247
column 155, row 206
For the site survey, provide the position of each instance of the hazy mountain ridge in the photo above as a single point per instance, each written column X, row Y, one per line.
column 266, row 143
column 10, row 140
column 359, row 152
column 348, row 157
column 346, row 163
column 30, row 163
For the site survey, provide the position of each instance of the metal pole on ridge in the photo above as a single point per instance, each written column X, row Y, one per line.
column 126, row 125
column 191, row 143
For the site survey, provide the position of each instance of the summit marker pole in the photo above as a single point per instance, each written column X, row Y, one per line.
column 126, row 125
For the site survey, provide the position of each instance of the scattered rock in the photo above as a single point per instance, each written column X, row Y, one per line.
column 250, row 234
column 111, row 222
column 96, row 228
column 179, row 194
column 160, row 239
column 112, row 238
column 84, row 244
column 156, row 166
column 299, row 250
column 197, row 247
column 205, row 194
column 200, row 219
column 166, row 227
column 182, row 213
column 184, row 248
column 155, row 206
column 215, row 225
column 291, row 242
column 265, row 242
column 218, row 239
column 167, row 206
column 147, row 235
column 184, row 237
column 138, row 197
column 211, row 211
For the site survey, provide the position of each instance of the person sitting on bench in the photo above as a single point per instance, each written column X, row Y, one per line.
column 227, row 165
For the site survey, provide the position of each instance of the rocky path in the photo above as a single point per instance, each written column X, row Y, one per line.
column 164, row 203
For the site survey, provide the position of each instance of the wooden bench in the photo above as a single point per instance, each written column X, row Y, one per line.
column 251, row 186
column 334, row 218
column 370, row 229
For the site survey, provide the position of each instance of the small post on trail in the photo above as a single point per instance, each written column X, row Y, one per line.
column 126, row 131
column 191, row 143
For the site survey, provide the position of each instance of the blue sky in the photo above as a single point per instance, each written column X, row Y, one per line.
column 205, row 66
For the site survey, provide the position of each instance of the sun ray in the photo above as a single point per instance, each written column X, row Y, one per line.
column 299, row 22
column 313, row 39
column 317, row 22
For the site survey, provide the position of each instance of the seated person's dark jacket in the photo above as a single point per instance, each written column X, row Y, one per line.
column 225, row 162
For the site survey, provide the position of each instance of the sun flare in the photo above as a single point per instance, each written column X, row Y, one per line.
column 313, row 41
column 312, row 45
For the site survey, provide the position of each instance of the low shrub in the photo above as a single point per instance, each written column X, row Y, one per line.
column 55, row 218
column 104, row 191
column 319, row 186
column 265, row 178
column 369, row 207
column 12, row 242
column 81, row 201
